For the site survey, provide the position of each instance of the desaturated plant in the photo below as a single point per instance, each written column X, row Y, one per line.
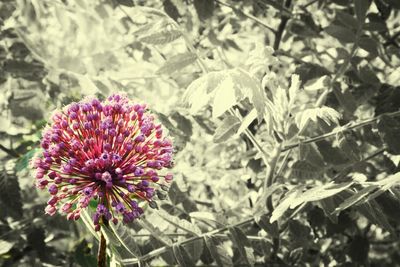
column 284, row 120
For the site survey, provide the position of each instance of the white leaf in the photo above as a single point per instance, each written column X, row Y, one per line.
column 177, row 62
column 87, row 85
column 198, row 93
column 250, row 117
column 228, row 88
column 319, row 192
column 227, row 129
column 327, row 114
column 225, row 97
column 285, row 203
column 5, row 246
column 317, row 83
column 294, row 88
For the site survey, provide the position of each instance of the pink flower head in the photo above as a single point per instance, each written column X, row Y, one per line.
column 110, row 153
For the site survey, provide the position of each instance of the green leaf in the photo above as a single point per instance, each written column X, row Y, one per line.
column 389, row 129
column 243, row 244
column 227, row 129
column 204, row 8
column 343, row 34
column 361, row 7
column 177, row 62
column 181, row 256
column 180, row 223
column 355, row 198
column 218, row 252
column 23, row 161
column 84, row 255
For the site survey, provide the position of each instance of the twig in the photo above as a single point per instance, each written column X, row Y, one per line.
column 287, row 54
column 283, row 165
column 281, row 27
column 163, row 249
column 341, row 71
column 348, row 169
column 283, row 11
column 309, row 3
column 10, row 152
column 341, row 129
column 270, row 173
column 249, row 16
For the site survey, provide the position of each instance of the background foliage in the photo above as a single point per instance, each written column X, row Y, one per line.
column 286, row 155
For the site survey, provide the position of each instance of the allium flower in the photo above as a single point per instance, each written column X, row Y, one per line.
column 109, row 153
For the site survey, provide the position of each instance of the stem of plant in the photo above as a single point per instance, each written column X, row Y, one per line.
column 102, row 255
column 249, row 16
column 341, row 129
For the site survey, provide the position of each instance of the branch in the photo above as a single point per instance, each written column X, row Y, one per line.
column 348, row 169
column 344, row 128
column 163, row 249
column 270, row 173
column 249, row 16
column 283, row 11
column 9, row 151
column 281, row 27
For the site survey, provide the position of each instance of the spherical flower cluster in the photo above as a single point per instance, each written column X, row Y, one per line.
column 111, row 154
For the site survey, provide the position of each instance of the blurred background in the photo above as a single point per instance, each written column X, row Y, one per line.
column 54, row 52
